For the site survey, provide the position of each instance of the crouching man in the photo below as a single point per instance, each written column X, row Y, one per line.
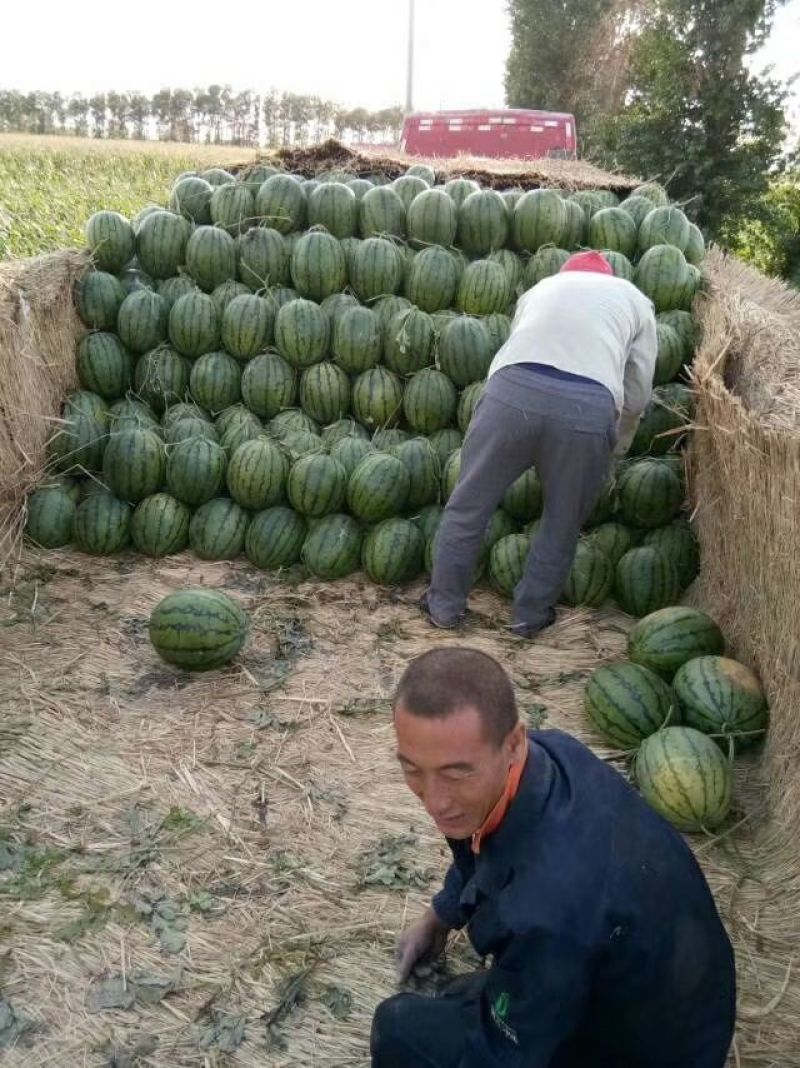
column 606, row 947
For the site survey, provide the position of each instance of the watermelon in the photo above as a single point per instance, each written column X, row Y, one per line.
column 465, row 350
column 180, row 411
column 376, row 269
column 350, row 451
column 195, row 471
column 545, row 262
column 483, row 288
column 662, row 424
column 467, row 403
column 540, row 218
column 523, row 498
column 382, row 212
column 211, row 257
column 142, row 321
column 429, row 401
column 238, row 434
column 649, row 494
column 574, row 235
column 590, row 201
column 316, row 485
column 460, row 188
column 197, row 629
column 360, row 186
column 161, row 377
column 102, row 524
column 423, row 468
column 722, row 697
column 685, row 777
column 318, row 266
column 378, row 488
column 334, row 207
column 281, row 204
column 263, row 258
column 432, row 279
column 127, row 414
column 615, row 229
column 665, row 640
column 591, row 576
column 507, row 560
column 385, row 438
column 695, row 250
column 444, row 442
column 498, row 326
column 613, row 538
column 637, row 207
column 451, row 471
column 620, row 265
column 161, row 243
column 104, row 365
column 254, row 177
column 662, row 274
column 678, row 543
column 134, row 464
column 511, row 264
column 98, row 297
column 190, row 428
column 217, row 176
column 645, row 581
column 423, row 171
column 217, row 529
column 225, row 292
column 409, row 342
column 247, row 326
column 193, row 326
column 343, row 428
column 160, row 525
column 393, row 552
column 169, row 289
column 325, row 392
column 671, row 354
column 50, row 516
column 132, row 280
column 302, row 333
column 408, row 187
column 332, row 548
column 386, row 308
column 432, row 219
column 268, row 385
column 377, row 398
column 336, row 304
column 80, row 440
column 653, row 192
column 664, row 226
column 215, row 381
column 275, row 538
column 292, row 419
column 626, row 703
column 111, row 240
column 191, row 197
column 256, row 474
column 356, row 345
column 232, row 208
column 483, row 222
column 428, row 520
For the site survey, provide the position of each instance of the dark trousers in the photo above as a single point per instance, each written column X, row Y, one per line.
column 567, row 431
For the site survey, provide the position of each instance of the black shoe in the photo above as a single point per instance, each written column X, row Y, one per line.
column 452, row 624
column 522, row 630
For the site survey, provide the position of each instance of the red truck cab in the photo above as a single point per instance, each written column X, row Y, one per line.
column 514, row 132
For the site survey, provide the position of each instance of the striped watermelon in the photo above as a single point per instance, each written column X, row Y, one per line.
column 343, row 428
column 281, row 204
column 637, row 207
column 664, row 226
column 460, row 188
column 357, row 344
column 695, row 251
column 378, row 488
column 393, row 552
column 615, row 229
column 292, row 419
column 325, row 392
column 408, row 187
column 169, row 289
column 256, row 474
column 545, row 262
column 215, row 381
column 217, row 530
column 665, row 640
column 318, row 266
column 350, row 451
column 210, row 257
column 386, row 308
column 102, row 524
column 232, row 208
column 50, row 516
column 483, row 288
column 662, row 274
column 111, row 240
column 360, row 186
column 662, row 425
column 511, row 264
column 652, row 191
column 191, row 197
column 451, row 472
column 183, row 410
column 193, row 326
column 195, row 471
column 574, row 236
column 255, row 176
column 98, row 298
column 591, row 577
column 432, row 279
column 376, row 269
column 498, row 327
column 613, row 538
column 302, row 333
column 225, row 292
column 429, row 401
column 423, row 469
column 197, row 629
column 335, row 304
column 645, row 581
column 428, row 521
column 483, row 222
column 263, row 258
column 377, row 397
column 467, row 403
column 190, row 428
column 332, row 548
column 685, row 777
column 500, row 526
column 605, row 507
column 160, row 525
column 671, row 354
column 465, row 350
column 409, row 342
column 161, row 377
column 132, row 280
column 247, row 326
column 540, row 218
column 129, row 414
column 684, row 324
column 104, row 365
column 620, row 265
column 316, row 485
column 507, row 560
column 275, row 538
column 161, row 243
column 142, row 321
column 238, row 434
column 217, row 176
column 268, row 385
column 80, row 440
column 590, row 202
column 432, row 219
column 721, row 697
column 678, row 543
column 423, row 171
column 386, row 438
column 523, row 498
column 626, row 703
column 649, row 494
column 382, row 212
column 334, row 206
column 134, row 464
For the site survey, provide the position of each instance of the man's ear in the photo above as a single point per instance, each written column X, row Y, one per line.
column 517, row 742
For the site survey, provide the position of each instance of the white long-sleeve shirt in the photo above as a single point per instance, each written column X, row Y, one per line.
column 595, row 325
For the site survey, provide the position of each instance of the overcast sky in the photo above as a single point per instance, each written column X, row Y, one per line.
column 351, row 51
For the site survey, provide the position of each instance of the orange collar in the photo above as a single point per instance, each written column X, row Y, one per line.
column 497, row 815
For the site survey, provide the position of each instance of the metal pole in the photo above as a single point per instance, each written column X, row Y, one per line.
column 410, row 67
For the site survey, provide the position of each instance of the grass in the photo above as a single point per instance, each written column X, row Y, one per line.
column 49, row 186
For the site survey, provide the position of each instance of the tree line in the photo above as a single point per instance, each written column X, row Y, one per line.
column 213, row 115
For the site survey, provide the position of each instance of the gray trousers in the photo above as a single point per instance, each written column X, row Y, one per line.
column 567, row 431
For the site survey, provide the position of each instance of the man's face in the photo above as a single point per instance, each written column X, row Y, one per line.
column 454, row 769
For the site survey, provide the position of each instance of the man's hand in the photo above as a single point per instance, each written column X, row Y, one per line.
column 424, row 940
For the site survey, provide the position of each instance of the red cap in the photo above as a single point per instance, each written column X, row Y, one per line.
column 588, row 261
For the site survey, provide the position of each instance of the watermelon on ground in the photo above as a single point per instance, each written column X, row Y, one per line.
column 197, row 629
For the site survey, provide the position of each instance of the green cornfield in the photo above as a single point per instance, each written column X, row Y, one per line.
column 49, row 186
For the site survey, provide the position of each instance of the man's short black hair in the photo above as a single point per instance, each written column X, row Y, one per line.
column 443, row 681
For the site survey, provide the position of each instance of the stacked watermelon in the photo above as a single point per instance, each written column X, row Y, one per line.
column 285, row 367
